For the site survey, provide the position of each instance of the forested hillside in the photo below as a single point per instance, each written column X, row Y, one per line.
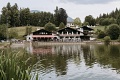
column 15, row 16
column 109, row 18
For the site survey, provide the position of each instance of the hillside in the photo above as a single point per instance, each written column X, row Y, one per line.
column 21, row 30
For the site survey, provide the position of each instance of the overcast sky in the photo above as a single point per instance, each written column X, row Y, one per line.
column 74, row 8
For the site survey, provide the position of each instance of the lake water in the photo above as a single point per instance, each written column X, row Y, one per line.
column 77, row 62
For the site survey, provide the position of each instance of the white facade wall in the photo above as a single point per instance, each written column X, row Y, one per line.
column 69, row 24
column 29, row 37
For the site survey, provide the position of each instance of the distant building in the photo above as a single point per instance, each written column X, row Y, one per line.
column 70, row 22
column 86, row 32
column 67, row 34
column 41, row 35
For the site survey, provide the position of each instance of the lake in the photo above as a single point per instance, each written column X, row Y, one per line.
column 77, row 62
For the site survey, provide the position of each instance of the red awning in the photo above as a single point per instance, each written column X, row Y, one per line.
column 43, row 36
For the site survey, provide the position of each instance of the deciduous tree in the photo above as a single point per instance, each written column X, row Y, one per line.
column 77, row 21
column 61, row 26
column 50, row 27
column 113, row 31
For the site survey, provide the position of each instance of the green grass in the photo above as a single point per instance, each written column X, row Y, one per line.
column 13, row 66
column 102, row 28
column 21, row 30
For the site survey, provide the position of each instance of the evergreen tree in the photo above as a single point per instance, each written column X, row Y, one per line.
column 15, row 21
column 25, row 16
column 118, row 19
column 60, row 16
column 90, row 20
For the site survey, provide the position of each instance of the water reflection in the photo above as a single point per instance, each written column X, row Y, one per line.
column 56, row 58
column 77, row 62
column 109, row 56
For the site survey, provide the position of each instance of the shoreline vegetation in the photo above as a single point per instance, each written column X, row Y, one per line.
column 22, row 44
column 15, row 65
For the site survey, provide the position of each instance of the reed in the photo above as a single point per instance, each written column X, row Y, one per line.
column 14, row 66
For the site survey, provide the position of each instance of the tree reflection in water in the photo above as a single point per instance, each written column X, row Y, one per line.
column 59, row 58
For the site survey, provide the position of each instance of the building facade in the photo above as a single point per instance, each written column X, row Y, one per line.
column 41, row 35
column 69, row 35
column 63, row 35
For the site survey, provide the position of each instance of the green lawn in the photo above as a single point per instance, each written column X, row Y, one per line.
column 21, row 30
column 99, row 27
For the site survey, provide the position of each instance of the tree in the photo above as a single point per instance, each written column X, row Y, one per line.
column 101, row 34
column 28, row 30
column 61, row 26
column 50, row 27
column 60, row 16
column 118, row 19
column 56, row 16
column 107, row 21
column 107, row 39
column 6, row 14
column 77, row 21
column 25, row 16
column 10, row 15
column 13, row 33
column 15, row 21
column 118, row 39
column 113, row 31
column 3, row 32
column 90, row 20
column 85, row 23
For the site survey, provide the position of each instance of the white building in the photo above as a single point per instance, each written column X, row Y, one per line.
column 70, row 22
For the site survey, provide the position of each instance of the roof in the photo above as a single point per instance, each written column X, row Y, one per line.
column 86, row 28
column 44, row 36
column 68, row 29
column 41, row 30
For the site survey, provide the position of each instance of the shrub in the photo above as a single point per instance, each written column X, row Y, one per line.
column 101, row 34
column 61, row 26
column 119, row 38
column 50, row 27
column 107, row 40
column 114, row 31
column 13, row 33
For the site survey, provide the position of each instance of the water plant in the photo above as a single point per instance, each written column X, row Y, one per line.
column 14, row 66
column 107, row 39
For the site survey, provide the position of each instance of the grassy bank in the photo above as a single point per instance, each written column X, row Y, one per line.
column 21, row 30
column 102, row 28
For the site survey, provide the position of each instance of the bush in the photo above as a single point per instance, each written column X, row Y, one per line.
column 107, row 40
column 13, row 33
column 119, row 38
column 61, row 26
column 50, row 27
column 114, row 31
column 101, row 34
